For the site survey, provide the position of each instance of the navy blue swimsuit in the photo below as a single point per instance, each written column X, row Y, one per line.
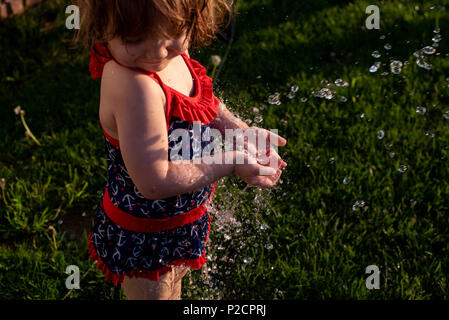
column 119, row 248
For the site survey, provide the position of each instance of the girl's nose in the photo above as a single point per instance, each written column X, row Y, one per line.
column 156, row 51
column 175, row 48
column 159, row 54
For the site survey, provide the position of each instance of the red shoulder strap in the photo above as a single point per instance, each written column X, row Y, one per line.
column 99, row 55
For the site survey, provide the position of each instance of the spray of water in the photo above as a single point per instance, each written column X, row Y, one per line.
column 238, row 229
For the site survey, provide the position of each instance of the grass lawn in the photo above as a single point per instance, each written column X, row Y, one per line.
column 367, row 181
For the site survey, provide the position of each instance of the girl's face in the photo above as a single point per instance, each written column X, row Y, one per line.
column 150, row 54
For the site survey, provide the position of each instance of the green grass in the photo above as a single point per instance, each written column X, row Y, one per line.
column 321, row 246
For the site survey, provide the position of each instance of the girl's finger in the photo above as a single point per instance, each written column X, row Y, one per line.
column 283, row 164
column 275, row 139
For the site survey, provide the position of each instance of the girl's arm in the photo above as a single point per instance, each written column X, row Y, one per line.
column 226, row 120
column 136, row 102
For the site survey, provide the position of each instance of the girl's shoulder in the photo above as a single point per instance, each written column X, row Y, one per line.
column 119, row 84
column 118, row 80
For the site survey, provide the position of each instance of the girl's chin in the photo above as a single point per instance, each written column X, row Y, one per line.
column 153, row 67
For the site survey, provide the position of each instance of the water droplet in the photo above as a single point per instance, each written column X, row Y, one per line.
column 358, row 204
column 325, row 93
column 420, row 110
column 258, row 119
column 402, row 168
column 263, row 226
column 346, row 180
column 374, row 67
column 387, row 46
column 338, row 82
column 380, row 134
column 428, row 50
column 446, row 115
column 303, row 99
column 436, row 38
column 342, row 98
column 376, row 54
column 396, row 67
column 430, row 134
column 420, row 60
column 391, row 154
column 274, row 99
column 269, row 246
column 418, row 54
column 290, row 95
column 294, row 88
column 362, row 116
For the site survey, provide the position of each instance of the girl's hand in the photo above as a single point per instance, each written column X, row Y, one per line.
column 251, row 145
column 266, row 181
column 250, row 149
column 250, row 172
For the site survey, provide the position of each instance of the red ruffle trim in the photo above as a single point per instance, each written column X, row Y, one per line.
column 99, row 55
column 206, row 108
column 149, row 274
column 202, row 108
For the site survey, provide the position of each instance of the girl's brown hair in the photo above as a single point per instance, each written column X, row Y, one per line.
column 102, row 20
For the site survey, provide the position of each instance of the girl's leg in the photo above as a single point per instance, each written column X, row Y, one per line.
column 167, row 288
column 136, row 288
column 180, row 272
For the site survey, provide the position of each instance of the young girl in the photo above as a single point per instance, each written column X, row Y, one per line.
column 153, row 222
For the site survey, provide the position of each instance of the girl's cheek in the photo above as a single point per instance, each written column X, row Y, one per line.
column 135, row 49
column 130, row 52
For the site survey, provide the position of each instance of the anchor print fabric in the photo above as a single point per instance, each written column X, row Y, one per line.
column 122, row 251
column 124, row 193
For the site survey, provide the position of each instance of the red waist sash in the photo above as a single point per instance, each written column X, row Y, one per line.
column 129, row 222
